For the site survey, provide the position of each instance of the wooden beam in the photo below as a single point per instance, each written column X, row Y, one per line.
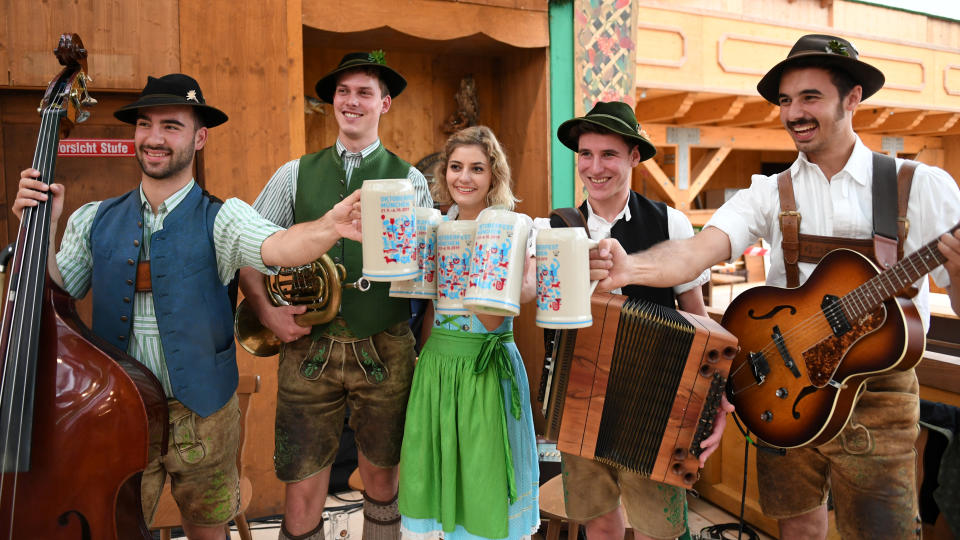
column 663, row 109
column 740, row 138
column 661, row 178
column 704, row 170
column 900, row 121
column 935, row 124
column 713, row 110
column 758, row 112
column 865, row 119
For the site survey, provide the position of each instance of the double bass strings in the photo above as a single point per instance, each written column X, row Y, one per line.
column 23, row 299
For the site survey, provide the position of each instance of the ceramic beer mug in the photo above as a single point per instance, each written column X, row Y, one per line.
column 389, row 230
column 563, row 278
column 454, row 245
column 425, row 284
column 496, row 265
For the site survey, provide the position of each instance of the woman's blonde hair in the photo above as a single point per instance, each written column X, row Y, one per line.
column 501, row 184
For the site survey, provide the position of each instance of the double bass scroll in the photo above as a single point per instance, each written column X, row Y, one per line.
column 76, row 414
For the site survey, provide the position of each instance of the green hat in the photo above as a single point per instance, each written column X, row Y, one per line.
column 394, row 81
column 827, row 51
column 172, row 89
column 615, row 116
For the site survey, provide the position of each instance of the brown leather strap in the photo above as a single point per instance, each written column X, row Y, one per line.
column 789, row 228
column 814, row 247
column 143, row 277
column 571, row 217
column 904, row 182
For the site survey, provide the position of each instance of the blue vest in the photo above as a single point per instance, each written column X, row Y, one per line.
column 194, row 313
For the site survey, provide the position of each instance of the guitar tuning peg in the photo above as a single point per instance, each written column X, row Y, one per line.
column 89, row 101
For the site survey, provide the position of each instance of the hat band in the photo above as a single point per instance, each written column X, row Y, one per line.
column 173, row 96
column 610, row 116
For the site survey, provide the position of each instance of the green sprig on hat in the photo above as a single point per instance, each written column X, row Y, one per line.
column 835, row 47
column 378, row 57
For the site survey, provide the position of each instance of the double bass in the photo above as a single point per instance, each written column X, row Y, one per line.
column 76, row 413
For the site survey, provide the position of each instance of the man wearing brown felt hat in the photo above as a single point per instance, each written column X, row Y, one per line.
column 363, row 357
column 870, row 466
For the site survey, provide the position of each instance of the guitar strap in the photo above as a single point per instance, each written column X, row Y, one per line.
column 890, row 225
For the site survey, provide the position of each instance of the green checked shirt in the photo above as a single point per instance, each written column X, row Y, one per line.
column 238, row 233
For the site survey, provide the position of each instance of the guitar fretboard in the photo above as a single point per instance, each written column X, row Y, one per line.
column 867, row 297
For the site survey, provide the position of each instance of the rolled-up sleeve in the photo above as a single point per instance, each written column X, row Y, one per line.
column 420, row 187
column 75, row 258
column 238, row 234
column 745, row 218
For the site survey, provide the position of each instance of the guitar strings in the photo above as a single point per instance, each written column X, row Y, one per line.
column 867, row 300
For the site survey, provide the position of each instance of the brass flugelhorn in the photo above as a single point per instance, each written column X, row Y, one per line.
column 318, row 285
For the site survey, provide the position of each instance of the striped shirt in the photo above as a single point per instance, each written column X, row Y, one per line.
column 238, row 232
column 276, row 200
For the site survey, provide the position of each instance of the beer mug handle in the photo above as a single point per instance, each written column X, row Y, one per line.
column 590, row 245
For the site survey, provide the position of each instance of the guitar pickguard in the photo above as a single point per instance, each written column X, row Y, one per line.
column 823, row 359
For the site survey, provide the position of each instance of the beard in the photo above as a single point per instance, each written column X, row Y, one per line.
column 179, row 160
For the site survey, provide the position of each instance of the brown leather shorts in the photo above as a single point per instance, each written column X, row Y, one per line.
column 319, row 377
column 202, row 462
column 870, row 467
column 592, row 489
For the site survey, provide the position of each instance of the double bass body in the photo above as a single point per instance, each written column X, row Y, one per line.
column 90, row 427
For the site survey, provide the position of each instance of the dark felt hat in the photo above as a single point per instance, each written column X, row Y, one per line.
column 826, row 51
column 615, row 116
column 173, row 89
column 375, row 59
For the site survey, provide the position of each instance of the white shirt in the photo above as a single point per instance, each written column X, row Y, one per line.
column 842, row 206
column 678, row 227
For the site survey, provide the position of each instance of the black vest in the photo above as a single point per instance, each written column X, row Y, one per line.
column 647, row 226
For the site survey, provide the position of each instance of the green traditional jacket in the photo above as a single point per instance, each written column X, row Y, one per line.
column 321, row 184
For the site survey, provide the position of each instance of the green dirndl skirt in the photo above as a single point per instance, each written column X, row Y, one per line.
column 456, row 465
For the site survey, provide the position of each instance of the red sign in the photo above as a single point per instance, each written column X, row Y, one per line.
column 95, row 148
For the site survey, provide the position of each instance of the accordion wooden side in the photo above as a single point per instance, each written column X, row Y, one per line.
column 639, row 389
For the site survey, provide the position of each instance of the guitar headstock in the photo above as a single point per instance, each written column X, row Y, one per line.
column 67, row 94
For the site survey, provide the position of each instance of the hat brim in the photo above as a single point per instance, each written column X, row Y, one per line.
column 868, row 77
column 212, row 116
column 326, row 86
column 647, row 149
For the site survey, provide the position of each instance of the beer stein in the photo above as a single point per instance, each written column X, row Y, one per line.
column 389, row 230
column 454, row 245
column 563, row 278
column 496, row 265
column 425, row 284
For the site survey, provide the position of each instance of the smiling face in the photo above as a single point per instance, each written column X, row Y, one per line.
column 468, row 178
column 166, row 140
column 605, row 164
column 358, row 102
column 815, row 115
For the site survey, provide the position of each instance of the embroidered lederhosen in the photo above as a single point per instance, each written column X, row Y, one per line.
column 886, row 246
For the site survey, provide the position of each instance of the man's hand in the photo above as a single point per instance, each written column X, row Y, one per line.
column 346, row 217
column 711, row 443
column 609, row 264
column 32, row 191
column 279, row 319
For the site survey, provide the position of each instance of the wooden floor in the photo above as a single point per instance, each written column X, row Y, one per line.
column 702, row 514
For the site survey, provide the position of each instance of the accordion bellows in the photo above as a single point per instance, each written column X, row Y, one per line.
column 639, row 389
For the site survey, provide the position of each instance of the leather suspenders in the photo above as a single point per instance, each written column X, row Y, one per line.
column 890, row 224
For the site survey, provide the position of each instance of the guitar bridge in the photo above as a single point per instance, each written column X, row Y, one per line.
column 758, row 366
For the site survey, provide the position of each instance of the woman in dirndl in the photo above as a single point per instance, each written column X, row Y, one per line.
column 468, row 465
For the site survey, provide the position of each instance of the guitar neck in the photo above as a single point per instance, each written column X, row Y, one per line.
column 867, row 297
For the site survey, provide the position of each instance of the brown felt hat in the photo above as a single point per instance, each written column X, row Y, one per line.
column 828, row 51
column 172, row 89
column 375, row 59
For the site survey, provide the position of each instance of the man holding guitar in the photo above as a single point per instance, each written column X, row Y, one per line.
column 870, row 464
